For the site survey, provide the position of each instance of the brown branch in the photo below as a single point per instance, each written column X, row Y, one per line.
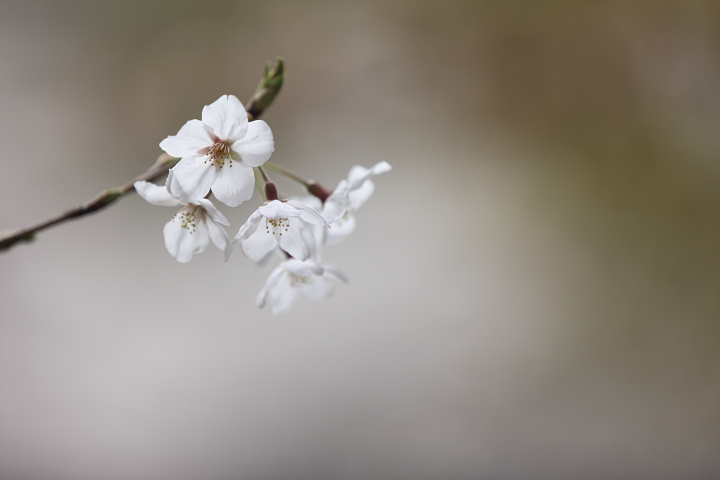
column 263, row 97
column 102, row 200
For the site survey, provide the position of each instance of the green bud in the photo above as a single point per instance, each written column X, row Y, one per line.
column 111, row 195
column 268, row 88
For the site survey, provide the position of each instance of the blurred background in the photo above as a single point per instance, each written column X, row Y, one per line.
column 534, row 289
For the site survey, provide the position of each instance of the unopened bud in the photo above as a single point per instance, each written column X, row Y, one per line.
column 270, row 191
column 314, row 188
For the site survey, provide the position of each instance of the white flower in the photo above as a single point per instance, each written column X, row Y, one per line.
column 218, row 153
column 285, row 226
column 315, row 280
column 192, row 228
column 347, row 197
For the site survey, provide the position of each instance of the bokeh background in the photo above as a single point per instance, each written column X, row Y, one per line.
column 534, row 289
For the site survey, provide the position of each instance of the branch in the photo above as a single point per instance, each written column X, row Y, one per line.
column 264, row 95
column 102, row 200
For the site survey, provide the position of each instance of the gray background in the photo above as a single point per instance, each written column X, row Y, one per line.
column 534, row 289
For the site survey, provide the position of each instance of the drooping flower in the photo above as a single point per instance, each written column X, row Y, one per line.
column 350, row 194
column 309, row 277
column 218, row 152
column 279, row 224
column 192, row 228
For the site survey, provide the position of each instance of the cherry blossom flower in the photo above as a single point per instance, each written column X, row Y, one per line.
column 218, row 152
column 348, row 196
column 192, row 228
column 309, row 277
column 285, row 225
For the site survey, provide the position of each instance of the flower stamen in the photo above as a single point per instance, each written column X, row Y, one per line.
column 218, row 154
column 295, row 279
column 279, row 224
column 186, row 217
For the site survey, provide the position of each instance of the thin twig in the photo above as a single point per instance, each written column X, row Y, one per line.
column 262, row 98
column 269, row 187
column 102, row 200
column 263, row 174
column 259, row 183
column 313, row 187
column 282, row 171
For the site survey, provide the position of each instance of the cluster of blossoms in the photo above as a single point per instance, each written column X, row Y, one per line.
column 224, row 154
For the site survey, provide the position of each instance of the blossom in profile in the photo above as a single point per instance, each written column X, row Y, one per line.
column 350, row 194
column 313, row 279
column 192, row 227
column 218, row 152
column 279, row 224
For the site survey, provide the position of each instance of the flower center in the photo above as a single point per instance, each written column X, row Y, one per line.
column 279, row 225
column 294, row 280
column 218, row 154
column 187, row 218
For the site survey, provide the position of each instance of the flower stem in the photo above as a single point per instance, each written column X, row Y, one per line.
column 263, row 174
column 312, row 186
column 259, row 183
column 270, row 189
column 288, row 174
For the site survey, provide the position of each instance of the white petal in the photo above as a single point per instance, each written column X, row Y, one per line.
column 381, row 167
column 305, row 269
column 169, row 181
column 269, row 283
column 318, row 288
column 310, row 201
column 189, row 141
column 249, row 227
column 336, row 204
column 315, row 243
column 234, row 184
column 359, row 174
column 295, row 240
column 360, row 186
column 360, row 195
column 282, row 295
column 340, row 230
column 213, row 212
column 310, row 215
column 307, row 213
column 319, row 233
column 274, row 254
column 219, row 237
column 192, row 178
column 258, row 244
column 256, row 147
column 181, row 243
column 155, row 194
column 227, row 118
column 275, row 210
